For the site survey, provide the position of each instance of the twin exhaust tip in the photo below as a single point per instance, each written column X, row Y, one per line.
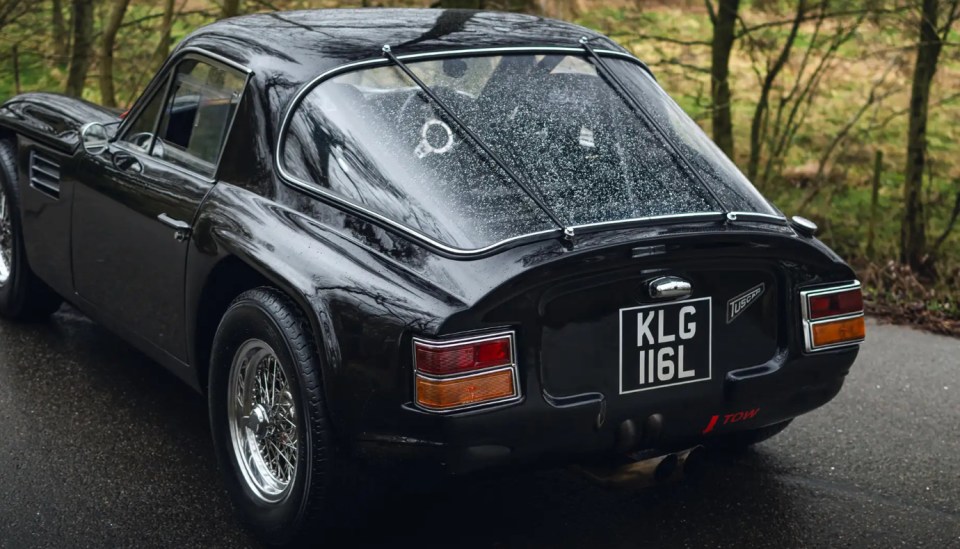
column 649, row 472
column 690, row 462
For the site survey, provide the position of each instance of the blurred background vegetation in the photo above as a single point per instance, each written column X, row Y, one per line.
column 846, row 112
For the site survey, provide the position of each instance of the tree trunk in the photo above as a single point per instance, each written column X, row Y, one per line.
column 756, row 140
column 61, row 40
column 913, row 237
column 874, row 198
column 723, row 37
column 82, row 46
column 231, row 8
column 107, row 95
column 163, row 48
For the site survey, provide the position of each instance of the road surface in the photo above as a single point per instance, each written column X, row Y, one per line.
column 100, row 447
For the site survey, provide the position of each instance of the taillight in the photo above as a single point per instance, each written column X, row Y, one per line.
column 452, row 358
column 833, row 317
column 843, row 302
column 463, row 373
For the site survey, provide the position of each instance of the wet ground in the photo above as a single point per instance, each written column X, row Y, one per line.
column 100, row 447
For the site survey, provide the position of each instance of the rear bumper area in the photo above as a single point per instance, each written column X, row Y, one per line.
column 548, row 429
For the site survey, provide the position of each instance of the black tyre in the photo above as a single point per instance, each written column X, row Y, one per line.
column 23, row 296
column 269, row 419
column 745, row 439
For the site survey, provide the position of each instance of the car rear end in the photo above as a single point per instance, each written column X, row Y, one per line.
column 637, row 292
column 637, row 347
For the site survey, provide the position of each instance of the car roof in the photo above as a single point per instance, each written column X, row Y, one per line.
column 290, row 48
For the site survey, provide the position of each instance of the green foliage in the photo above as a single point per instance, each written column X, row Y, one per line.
column 842, row 207
column 883, row 44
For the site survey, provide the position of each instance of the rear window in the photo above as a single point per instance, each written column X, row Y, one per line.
column 373, row 138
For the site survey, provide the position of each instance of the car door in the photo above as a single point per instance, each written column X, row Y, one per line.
column 134, row 204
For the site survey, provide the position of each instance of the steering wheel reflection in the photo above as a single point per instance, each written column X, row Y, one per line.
column 142, row 141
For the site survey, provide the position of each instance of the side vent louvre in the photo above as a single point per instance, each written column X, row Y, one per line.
column 44, row 174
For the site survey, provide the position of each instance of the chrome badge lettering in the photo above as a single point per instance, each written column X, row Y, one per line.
column 737, row 305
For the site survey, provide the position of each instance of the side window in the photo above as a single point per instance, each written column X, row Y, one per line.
column 141, row 129
column 197, row 115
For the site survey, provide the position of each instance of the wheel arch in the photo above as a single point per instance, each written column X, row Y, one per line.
column 360, row 304
column 227, row 279
column 223, row 280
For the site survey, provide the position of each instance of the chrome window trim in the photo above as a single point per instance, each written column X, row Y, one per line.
column 746, row 216
column 808, row 324
column 513, row 367
column 173, row 60
column 128, row 147
column 165, row 85
column 430, row 242
column 692, row 216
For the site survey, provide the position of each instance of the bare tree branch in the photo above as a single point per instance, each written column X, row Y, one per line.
column 950, row 224
column 670, row 40
column 711, row 12
column 763, row 102
column 844, row 13
column 873, row 98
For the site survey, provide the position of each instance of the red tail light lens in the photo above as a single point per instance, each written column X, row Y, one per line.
column 442, row 359
column 464, row 373
column 836, row 304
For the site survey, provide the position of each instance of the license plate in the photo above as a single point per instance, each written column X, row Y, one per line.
column 664, row 345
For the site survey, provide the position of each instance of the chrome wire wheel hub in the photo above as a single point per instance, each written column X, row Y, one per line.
column 262, row 418
column 6, row 237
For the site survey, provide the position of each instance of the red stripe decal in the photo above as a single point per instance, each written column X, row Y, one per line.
column 713, row 422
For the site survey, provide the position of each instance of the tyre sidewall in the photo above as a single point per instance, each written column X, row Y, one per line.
column 13, row 292
column 281, row 522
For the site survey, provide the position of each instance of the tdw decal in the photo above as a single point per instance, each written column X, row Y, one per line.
column 737, row 305
column 742, row 415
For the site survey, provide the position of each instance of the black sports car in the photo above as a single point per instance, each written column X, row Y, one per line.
column 446, row 241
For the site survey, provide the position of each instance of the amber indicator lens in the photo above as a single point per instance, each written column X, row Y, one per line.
column 443, row 394
column 444, row 359
column 840, row 303
column 838, row 331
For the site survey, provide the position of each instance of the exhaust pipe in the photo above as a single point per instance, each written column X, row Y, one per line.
column 634, row 472
column 642, row 471
column 694, row 462
column 666, row 468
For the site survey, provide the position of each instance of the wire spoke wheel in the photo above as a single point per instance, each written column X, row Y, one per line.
column 6, row 237
column 262, row 416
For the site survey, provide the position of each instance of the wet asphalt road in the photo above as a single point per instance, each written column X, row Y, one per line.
column 100, row 447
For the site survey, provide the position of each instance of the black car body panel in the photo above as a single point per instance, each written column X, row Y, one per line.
column 93, row 235
column 53, row 119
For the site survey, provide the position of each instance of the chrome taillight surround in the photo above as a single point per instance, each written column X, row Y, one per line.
column 458, row 342
column 808, row 323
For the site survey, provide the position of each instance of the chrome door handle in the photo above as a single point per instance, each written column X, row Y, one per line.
column 181, row 228
column 127, row 162
column 669, row 286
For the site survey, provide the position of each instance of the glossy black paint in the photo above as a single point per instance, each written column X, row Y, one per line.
column 368, row 290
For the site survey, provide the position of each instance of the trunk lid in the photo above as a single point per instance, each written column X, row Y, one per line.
column 607, row 334
column 584, row 321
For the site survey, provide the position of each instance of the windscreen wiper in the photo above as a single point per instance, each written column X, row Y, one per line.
column 645, row 115
column 567, row 230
